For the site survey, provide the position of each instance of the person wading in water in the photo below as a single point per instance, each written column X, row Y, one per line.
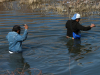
column 73, row 27
column 15, row 39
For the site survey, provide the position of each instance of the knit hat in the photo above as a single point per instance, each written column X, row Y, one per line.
column 76, row 16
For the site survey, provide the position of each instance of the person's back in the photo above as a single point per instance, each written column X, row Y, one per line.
column 15, row 39
column 71, row 26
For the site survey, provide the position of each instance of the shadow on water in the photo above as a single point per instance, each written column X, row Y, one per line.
column 76, row 49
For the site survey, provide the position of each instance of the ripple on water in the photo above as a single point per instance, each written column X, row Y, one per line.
column 47, row 48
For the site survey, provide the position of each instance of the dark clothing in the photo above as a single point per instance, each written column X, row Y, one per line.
column 73, row 26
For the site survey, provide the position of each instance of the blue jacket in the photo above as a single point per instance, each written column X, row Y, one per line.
column 15, row 41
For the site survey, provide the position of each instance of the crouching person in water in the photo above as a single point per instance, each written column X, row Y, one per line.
column 15, row 39
column 73, row 27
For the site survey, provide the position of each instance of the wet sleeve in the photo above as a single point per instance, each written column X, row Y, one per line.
column 80, row 27
column 23, row 37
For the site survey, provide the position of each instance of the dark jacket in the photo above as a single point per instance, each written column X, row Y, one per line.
column 73, row 26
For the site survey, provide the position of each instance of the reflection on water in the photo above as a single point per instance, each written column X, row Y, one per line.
column 46, row 48
column 76, row 49
column 74, row 46
column 17, row 63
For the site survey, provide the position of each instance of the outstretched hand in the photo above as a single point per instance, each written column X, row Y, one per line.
column 26, row 26
column 92, row 25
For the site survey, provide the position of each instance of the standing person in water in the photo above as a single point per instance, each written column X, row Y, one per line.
column 15, row 39
column 73, row 27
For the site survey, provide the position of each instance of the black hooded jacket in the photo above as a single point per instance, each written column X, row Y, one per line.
column 74, row 26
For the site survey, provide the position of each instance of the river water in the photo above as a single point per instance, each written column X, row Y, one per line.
column 47, row 51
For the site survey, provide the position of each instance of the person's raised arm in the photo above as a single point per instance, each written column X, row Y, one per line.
column 85, row 28
column 24, row 36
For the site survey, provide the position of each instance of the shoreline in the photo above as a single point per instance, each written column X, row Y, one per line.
column 64, row 7
column 84, row 7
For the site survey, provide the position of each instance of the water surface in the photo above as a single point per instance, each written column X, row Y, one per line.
column 46, row 50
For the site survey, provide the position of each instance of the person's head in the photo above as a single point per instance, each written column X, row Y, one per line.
column 17, row 29
column 76, row 17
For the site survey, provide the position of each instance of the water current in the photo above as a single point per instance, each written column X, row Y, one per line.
column 47, row 51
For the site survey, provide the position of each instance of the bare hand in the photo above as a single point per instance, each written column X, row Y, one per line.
column 92, row 25
column 26, row 26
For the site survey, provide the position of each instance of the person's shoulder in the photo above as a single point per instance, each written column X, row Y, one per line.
column 9, row 33
column 13, row 34
column 68, row 21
